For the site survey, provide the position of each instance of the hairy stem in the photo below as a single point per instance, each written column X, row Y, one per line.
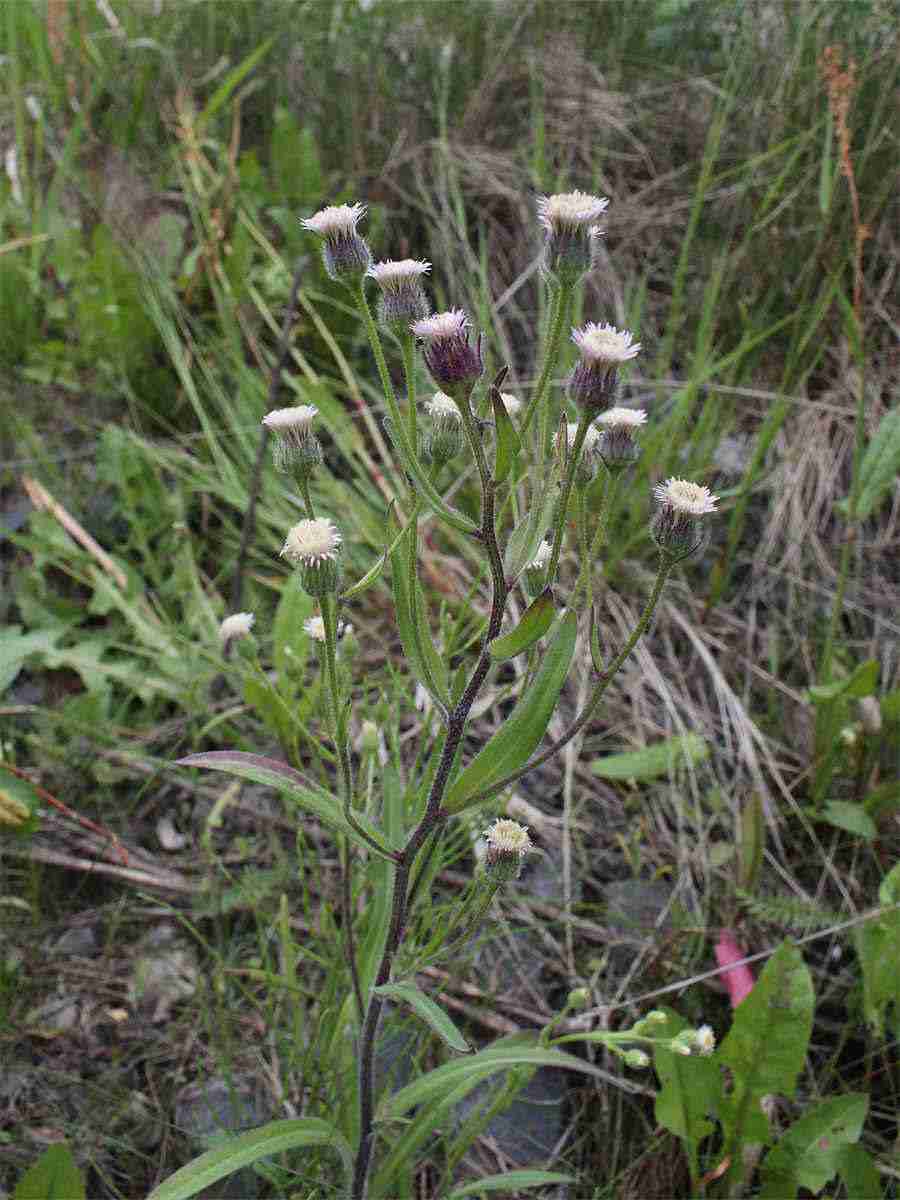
column 571, row 467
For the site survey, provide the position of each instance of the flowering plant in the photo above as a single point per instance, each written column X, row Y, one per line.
column 521, row 467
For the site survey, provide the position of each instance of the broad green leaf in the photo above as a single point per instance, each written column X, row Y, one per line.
column 507, row 443
column 809, row 1154
column 689, row 1090
column 279, row 775
column 291, row 641
column 766, row 1046
column 16, row 646
column 19, row 804
column 653, row 761
column 861, row 681
column 415, row 635
column 55, row 1176
column 233, row 79
column 859, row 1174
column 851, row 817
column 535, row 622
column 475, row 1068
column 508, row 1182
column 521, row 732
column 430, row 1012
column 248, row 1148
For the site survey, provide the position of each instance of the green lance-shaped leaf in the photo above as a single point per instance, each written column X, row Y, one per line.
column 295, row 786
column 248, row 1148
column 880, row 465
column 766, row 1045
column 811, row 1152
column 689, row 1090
column 877, row 944
column 535, row 622
column 507, row 440
column 862, row 681
column 652, row 761
column 474, row 1068
column 520, row 735
column 509, row 1181
column 432, row 1014
column 415, row 635
column 55, row 1176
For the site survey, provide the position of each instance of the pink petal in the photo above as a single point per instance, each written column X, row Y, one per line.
column 739, row 980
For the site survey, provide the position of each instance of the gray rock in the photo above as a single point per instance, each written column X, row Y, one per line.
column 207, row 1111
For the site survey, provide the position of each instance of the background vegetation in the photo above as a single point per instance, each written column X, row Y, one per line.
column 157, row 158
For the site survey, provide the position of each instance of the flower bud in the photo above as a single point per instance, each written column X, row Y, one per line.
column 578, row 998
column 346, row 255
column 603, row 349
column 570, row 223
column 617, row 447
column 454, row 363
column 402, row 298
column 295, row 447
column 444, row 440
column 507, row 844
column 636, row 1058
column 676, row 524
column 313, row 546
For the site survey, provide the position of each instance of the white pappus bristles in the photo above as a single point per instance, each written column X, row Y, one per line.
column 689, row 499
column 442, row 326
column 622, row 418
column 311, row 542
column 443, row 408
column 394, row 275
column 604, row 344
column 617, row 426
column 591, row 437
column 335, row 222
column 454, row 363
column 238, row 625
column 507, row 844
column 570, row 212
column 291, row 423
column 346, row 254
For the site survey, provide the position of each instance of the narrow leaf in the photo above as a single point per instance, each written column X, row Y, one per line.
column 279, row 775
column 430, row 1012
column 526, row 537
column 535, row 622
column 291, row 641
column 507, row 439
column 248, row 1148
column 415, row 635
column 521, row 733
column 509, row 1181
column 223, row 92
column 880, row 464
column 653, row 761
column 862, row 681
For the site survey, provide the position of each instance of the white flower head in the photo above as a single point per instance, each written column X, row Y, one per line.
column 604, row 345
column 570, row 212
column 622, row 418
column 686, row 498
column 542, row 557
column 315, row 628
column 238, row 625
column 705, row 1040
column 507, row 844
column 512, row 404
column 442, row 407
column 336, row 222
column 291, row 422
column 395, row 275
column 442, row 326
column 311, row 542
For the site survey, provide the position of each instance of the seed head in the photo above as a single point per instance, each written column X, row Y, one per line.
column 705, row 1040
column 507, row 844
column 454, row 363
column 347, row 256
column 402, row 298
column 570, row 222
column 314, row 546
column 442, row 407
column 681, row 505
column 617, row 446
column 603, row 349
column 238, row 625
